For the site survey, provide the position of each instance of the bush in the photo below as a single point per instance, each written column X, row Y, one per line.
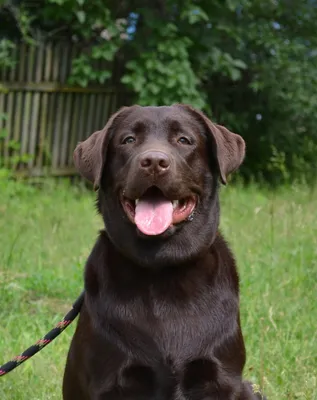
column 250, row 64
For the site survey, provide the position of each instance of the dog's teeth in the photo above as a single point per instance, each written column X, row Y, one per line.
column 136, row 202
column 175, row 204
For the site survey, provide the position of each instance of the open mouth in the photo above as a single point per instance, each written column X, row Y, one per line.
column 153, row 213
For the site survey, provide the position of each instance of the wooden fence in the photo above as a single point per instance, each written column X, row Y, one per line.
column 44, row 115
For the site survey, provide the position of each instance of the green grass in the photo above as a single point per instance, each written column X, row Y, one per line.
column 47, row 233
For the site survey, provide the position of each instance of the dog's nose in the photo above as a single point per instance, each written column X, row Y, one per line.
column 155, row 162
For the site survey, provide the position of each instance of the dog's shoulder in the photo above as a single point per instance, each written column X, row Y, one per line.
column 225, row 261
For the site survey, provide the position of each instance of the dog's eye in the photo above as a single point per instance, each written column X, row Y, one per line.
column 128, row 140
column 183, row 140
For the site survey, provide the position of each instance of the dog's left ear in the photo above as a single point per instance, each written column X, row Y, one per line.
column 228, row 147
column 89, row 155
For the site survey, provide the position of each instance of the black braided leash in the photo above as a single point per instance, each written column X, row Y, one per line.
column 48, row 338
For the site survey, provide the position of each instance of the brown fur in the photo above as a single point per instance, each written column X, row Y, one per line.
column 160, row 320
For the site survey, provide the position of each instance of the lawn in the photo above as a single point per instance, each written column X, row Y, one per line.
column 46, row 234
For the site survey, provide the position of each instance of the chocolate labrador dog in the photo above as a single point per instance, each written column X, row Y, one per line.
column 160, row 319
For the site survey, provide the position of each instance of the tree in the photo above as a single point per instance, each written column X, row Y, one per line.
column 250, row 64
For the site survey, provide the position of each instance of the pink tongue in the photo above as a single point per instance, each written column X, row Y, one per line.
column 153, row 214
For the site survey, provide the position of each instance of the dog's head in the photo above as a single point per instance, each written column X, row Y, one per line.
column 157, row 170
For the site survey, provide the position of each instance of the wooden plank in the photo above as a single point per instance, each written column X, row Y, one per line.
column 3, row 75
column 35, row 66
column 52, row 87
column 59, row 113
column 46, row 115
column 75, row 112
column 108, row 108
column 99, row 122
column 13, row 71
column 39, row 70
column 26, row 122
column 82, row 132
column 90, row 128
column 49, row 130
column 8, row 74
column 58, row 108
column 2, row 125
column 52, row 109
column 4, row 71
column 56, row 62
column 19, row 97
column 18, row 116
column 33, row 132
column 22, row 52
column 37, row 103
column 30, row 62
column 103, row 116
column 48, row 63
column 74, row 127
column 113, row 106
column 45, row 126
column 9, row 127
column 66, row 53
column 67, row 119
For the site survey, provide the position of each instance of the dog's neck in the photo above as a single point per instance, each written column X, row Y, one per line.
column 121, row 261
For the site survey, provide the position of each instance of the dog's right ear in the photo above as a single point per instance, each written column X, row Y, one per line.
column 228, row 147
column 90, row 155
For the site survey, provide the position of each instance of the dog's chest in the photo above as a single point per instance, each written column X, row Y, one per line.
column 181, row 331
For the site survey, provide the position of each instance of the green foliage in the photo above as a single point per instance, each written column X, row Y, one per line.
column 163, row 73
column 93, row 26
column 6, row 48
column 12, row 147
column 250, row 64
